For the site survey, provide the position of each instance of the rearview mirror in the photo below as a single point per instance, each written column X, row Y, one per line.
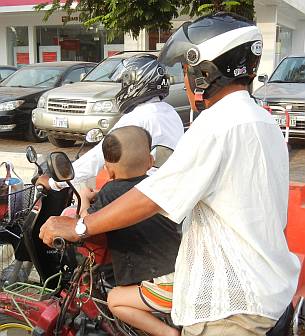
column 31, row 154
column 60, row 167
column 94, row 135
column 82, row 76
column 263, row 78
column 160, row 154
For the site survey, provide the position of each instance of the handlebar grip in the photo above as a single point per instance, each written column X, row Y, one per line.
column 59, row 243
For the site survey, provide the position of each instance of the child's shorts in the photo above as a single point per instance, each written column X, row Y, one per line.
column 158, row 294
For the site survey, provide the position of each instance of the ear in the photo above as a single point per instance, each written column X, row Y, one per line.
column 151, row 161
column 108, row 166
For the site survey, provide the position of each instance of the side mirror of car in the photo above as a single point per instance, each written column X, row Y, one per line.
column 94, row 135
column 171, row 80
column 263, row 78
column 60, row 167
column 82, row 76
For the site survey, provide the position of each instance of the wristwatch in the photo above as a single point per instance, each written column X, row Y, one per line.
column 81, row 229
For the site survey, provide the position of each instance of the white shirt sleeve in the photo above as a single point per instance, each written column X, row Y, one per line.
column 188, row 176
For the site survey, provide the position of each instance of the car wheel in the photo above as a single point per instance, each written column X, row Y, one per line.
column 36, row 135
column 62, row 143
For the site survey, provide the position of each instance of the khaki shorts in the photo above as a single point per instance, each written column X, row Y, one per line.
column 236, row 325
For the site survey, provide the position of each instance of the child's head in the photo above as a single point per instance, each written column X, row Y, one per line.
column 127, row 152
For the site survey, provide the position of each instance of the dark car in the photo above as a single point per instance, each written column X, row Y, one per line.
column 6, row 71
column 20, row 93
column 284, row 92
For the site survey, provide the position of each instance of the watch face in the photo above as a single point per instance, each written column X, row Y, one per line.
column 80, row 227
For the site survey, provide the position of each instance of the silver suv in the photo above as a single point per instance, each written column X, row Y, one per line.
column 284, row 92
column 69, row 112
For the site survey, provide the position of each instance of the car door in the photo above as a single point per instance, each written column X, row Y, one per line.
column 177, row 95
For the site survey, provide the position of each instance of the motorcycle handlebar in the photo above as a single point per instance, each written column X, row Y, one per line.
column 59, row 243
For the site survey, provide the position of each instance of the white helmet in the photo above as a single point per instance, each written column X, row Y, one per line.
column 219, row 49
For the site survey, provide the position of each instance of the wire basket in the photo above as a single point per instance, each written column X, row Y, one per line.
column 19, row 204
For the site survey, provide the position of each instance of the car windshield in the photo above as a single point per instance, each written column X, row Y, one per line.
column 290, row 70
column 34, row 77
column 104, row 71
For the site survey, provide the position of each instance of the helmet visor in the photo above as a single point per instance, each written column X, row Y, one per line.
column 174, row 49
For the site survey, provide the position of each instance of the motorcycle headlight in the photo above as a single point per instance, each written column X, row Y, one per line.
column 42, row 102
column 102, row 106
column 10, row 105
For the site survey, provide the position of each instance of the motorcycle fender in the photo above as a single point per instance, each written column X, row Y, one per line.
column 48, row 318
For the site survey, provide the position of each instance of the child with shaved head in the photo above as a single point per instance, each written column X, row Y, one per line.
column 143, row 255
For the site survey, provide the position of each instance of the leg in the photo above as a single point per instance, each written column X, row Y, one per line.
column 127, row 305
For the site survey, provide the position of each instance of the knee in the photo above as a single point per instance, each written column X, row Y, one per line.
column 112, row 298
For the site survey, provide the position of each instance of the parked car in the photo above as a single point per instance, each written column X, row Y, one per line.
column 68, row 113
column 6, row 71
column 285, row 91
column 20, row 93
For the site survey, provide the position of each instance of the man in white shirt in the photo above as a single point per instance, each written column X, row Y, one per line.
column 228, row 177
column 144, row 85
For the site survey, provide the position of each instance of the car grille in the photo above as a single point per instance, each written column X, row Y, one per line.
column 67, row 106
column 297, row 111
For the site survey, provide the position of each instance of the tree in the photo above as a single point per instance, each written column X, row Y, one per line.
column 130, row 16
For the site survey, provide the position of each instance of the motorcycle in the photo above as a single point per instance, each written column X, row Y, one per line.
column 73, row 300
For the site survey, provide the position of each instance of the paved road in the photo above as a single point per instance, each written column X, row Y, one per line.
column 9, row 145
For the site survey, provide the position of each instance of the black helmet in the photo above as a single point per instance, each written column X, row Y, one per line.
column 142, row 78
column 218, row 48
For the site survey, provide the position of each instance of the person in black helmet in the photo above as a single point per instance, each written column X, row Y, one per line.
column 145, row 84
column 228, row 177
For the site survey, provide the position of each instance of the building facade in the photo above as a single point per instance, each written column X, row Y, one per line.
column 26, row 38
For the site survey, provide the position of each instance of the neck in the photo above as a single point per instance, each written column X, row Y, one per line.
column 224, row 92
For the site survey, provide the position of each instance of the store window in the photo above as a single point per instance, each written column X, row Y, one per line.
column 283, row 43
column 72, row 43
column 157, row 38
column 18, row 45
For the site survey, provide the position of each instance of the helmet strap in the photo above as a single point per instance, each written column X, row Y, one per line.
column 199, row 102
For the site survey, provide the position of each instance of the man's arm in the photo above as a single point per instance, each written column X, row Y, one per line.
column 125, row 211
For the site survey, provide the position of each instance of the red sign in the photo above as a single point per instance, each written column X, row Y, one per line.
column 49, row 56
column 23, row 58
column 21, row 2
column 112, row 52
column 68, row 44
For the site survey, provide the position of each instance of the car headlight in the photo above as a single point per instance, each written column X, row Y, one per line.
column 102, row 106
column 42, row 102
column 11, row 105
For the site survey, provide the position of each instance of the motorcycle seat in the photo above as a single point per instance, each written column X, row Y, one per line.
column 282, row 325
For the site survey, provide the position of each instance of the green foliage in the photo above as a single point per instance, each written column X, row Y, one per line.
column 131, row 16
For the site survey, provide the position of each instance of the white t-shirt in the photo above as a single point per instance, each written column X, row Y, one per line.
column 229, row 177
column 157, row 117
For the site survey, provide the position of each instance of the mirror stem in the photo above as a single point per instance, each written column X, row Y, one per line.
column 79, row 151
column 78, row 198
column 40, row 172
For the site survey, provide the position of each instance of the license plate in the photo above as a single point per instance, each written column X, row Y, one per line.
column 282, row 121
column 60, row 122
